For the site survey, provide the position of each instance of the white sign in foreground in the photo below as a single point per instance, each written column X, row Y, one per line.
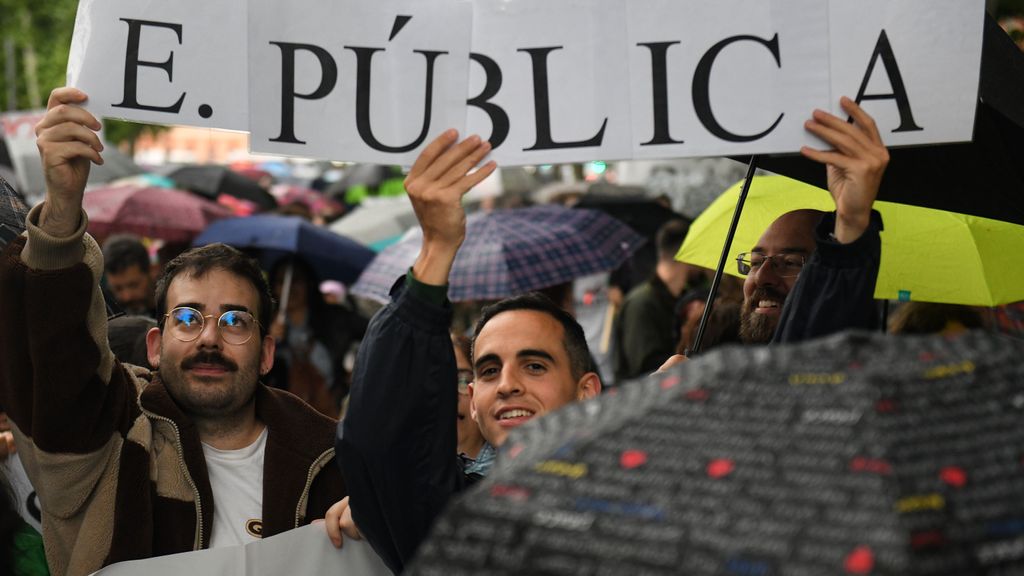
column 303, row 550
column 544, row 80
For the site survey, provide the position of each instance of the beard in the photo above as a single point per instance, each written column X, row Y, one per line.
column 758, row 328
column 210, row 397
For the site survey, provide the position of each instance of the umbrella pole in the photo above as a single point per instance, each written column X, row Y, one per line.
column 751, row 168
column 286, row 291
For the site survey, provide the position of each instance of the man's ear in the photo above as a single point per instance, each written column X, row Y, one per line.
column 267, row 354
column 589, row 386
column 472, row 405
column 153, row 338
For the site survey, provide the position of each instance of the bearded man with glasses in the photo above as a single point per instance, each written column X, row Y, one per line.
column 811, row 273
column 131, row 462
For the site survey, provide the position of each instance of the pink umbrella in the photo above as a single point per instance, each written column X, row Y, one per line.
column 317, row 202
column 165, row 213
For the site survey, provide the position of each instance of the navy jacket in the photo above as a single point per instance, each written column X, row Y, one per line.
column 400, row 427
column 836, row 288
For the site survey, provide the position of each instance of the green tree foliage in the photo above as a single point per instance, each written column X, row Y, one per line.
column 42, row 28
column 45, row 29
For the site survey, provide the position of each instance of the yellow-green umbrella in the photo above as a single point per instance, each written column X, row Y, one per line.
column 927, row 255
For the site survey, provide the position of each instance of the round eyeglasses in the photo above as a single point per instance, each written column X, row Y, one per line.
column 236, row 327
column 785, row 265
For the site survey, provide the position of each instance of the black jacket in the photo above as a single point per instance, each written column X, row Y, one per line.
column 836, row 288
column 399, row 435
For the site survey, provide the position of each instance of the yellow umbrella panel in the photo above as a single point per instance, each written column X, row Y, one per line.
column 927, row 255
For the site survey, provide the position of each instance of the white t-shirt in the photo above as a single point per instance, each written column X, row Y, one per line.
column 236, row 477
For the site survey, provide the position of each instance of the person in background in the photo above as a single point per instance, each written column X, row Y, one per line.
column 470, row 441
column 127, row 337
column 129, row 274
column 21, row 547
column 643, row 336
column 312, row 338
column 932, row 318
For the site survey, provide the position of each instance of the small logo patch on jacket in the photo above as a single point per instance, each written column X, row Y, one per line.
column 254, row 527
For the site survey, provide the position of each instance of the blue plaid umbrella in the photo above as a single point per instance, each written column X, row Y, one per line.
column 332, row 256
column 509, row 252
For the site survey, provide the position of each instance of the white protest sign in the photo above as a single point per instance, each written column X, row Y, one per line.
column 352, row 79
column 305, row 550
column 163, row 62
column 563, row 68
column 740, row 79
column 546, row 80
column 924, row 58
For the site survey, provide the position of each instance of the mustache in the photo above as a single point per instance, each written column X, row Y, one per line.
column 767, row 293
column 210, row 357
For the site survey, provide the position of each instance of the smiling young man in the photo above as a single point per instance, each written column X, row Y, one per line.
column 529, row 357
column 130, row 462
column 398, row 441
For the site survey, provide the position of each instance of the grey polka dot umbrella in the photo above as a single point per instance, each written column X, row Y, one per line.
column 857, row 454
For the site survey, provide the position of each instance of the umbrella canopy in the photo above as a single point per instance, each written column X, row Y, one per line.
column 982, row 178
column 927, row 255
column 377, row 222
column 172, row 215
column 316, row 201
column 211, row 181
column 510, row 252
column 116, row 165
column 641, row 213
column 855, row 454
column 12, row 213
column 333, row 257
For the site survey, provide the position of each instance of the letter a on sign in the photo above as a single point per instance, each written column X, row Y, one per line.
column 905, row 72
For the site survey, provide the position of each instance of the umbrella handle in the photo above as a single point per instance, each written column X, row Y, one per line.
column 751, row 168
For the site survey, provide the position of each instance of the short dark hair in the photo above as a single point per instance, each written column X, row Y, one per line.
column 670, row 237
column 127, row 337
column 574, row 340
column 122, row 251
column 198, row 261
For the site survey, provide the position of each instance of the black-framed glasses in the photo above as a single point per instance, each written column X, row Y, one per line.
column 465, row 378
column 785, row 265
column 236, row 327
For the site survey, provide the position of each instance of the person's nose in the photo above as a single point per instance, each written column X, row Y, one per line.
column 209, row 336
column 509, row 384
column 766, row 274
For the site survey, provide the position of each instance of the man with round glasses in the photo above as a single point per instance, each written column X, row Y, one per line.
column 130, row 462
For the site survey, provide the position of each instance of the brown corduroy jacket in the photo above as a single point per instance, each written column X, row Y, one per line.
column 118, row 468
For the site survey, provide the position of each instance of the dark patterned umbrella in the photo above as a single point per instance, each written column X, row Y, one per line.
column 857, row 454
column 212, row 181
column 12, row 213
column 271, row 236
column 509, row 252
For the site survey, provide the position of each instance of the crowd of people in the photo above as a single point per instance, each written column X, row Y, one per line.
column 208, row 417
